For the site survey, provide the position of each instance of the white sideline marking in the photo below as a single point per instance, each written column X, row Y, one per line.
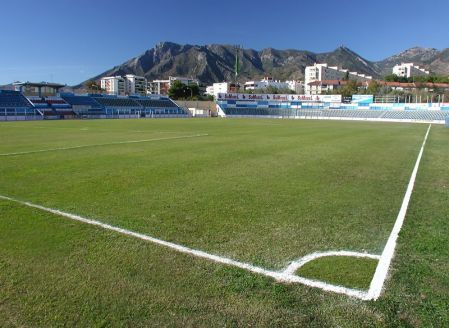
column 104, row 144
column 281, row 276
column 387, row 255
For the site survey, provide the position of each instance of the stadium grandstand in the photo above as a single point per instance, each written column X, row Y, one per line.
column 106, row 106
column 52, row 107
column 328, row 107
column 14, row 105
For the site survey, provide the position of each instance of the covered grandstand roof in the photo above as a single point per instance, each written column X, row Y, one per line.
column 40, row 84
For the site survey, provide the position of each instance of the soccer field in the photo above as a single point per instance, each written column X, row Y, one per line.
column 263, row 193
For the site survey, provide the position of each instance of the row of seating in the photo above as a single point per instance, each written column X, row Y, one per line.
column 135, row 111
column 80, row 101
column 162, row 103
column 99, row 101
column 13, row 99
column 117, row 102
column 47, row 102
column 135, row 102
column 86, row 105
column 260, row 111
column 37, row 100
column 351, row 113
column 426, row 115
column 423, row 115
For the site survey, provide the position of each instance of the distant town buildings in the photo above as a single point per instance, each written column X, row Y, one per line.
column 323, row 72
column 126, row 85
column 409, row 70
column 161, row 87
column 265, row 83
column 216, row 88
column 296, row 86
column 222, row 87
column 331, row 86
column 318, row 79
column 138, row 85
column 225, row 87
column 268, row 82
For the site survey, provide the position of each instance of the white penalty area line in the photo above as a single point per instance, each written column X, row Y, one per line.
column 103, row 144
column 284, row 276
column 387, row 255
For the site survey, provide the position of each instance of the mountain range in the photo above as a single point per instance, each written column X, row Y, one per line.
column 215, row 62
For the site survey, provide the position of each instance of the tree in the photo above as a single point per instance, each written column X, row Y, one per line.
column 395, row 78
column 92, row 85
column 178, row 90
column 271, row 90
column 373, row 88
column 390, row 78
column 194, row 91
column 349, row 89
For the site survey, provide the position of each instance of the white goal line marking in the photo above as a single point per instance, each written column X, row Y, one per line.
column 387, row 255
column 103, row 144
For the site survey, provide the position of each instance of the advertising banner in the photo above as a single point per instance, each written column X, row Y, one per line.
column 275, row 97
column 362, row 99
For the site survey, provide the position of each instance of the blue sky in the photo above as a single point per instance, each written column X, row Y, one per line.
column 69, row 41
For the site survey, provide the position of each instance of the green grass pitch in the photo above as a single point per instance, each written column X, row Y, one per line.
column 264, row 192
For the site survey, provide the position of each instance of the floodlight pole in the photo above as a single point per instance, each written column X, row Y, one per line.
column 237, row 64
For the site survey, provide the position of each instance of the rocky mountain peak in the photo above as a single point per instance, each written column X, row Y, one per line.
column 215, row 62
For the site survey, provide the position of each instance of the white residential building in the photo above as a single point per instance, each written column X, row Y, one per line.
column 114, row 85
column 135, row 85
column 222, row 87
column 296, row 86
column 210, row 90
column 323, row 72
column 185, row 80
column 225, row 87
column 409, row 70
column 265, row 83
